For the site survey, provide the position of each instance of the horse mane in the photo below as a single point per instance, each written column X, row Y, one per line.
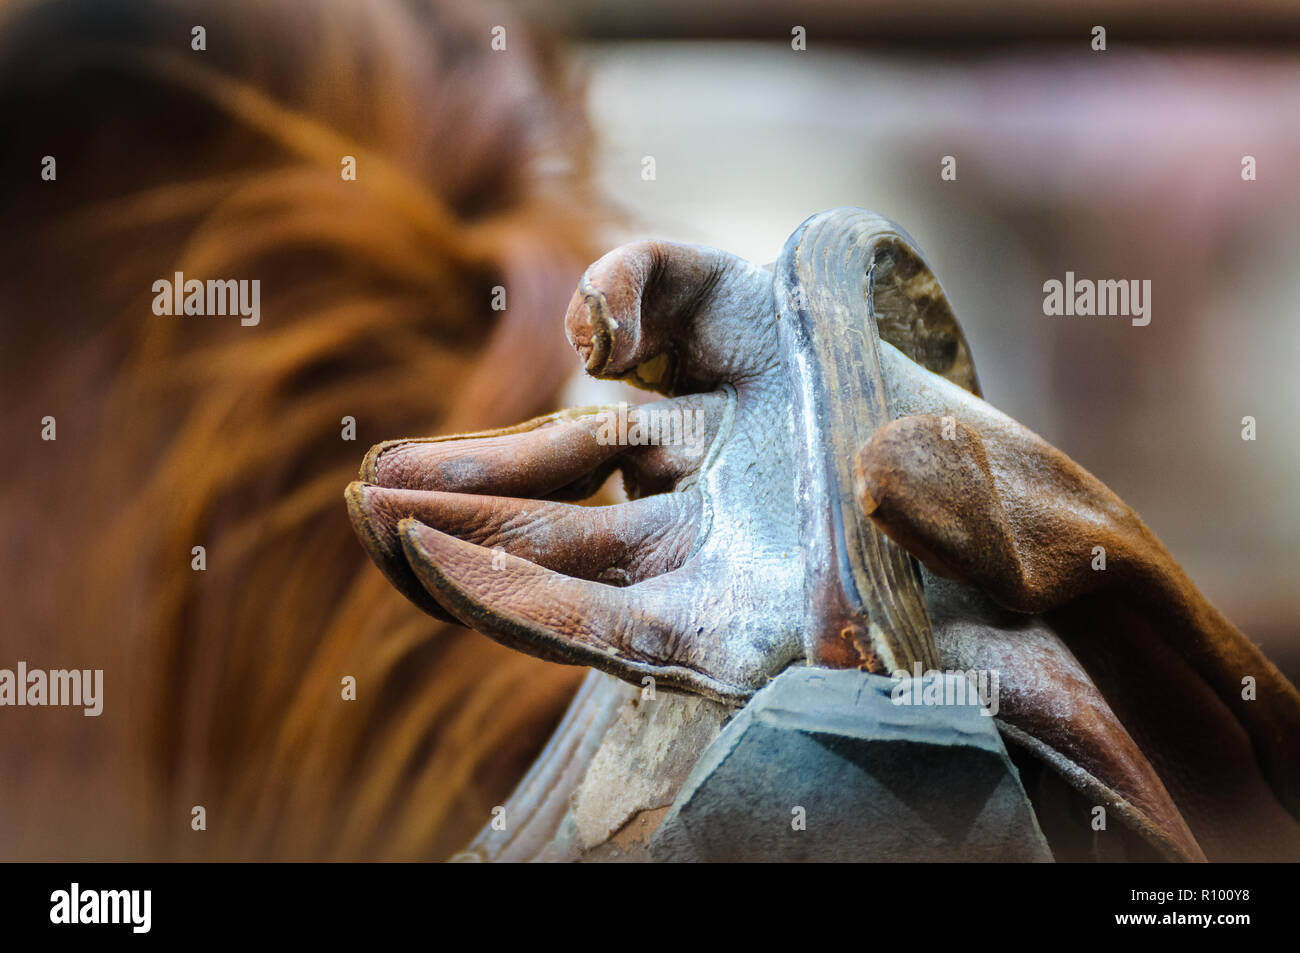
column 222, row 687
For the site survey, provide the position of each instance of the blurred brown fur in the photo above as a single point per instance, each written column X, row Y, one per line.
column 223, row 688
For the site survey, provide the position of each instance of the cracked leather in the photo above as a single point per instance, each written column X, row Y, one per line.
column 715, row 576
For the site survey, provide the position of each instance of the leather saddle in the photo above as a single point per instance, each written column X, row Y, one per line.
column 850, row 503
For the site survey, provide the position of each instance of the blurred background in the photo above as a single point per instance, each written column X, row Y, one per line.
column 481, row 167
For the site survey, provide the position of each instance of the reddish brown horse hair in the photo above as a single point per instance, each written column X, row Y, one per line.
column 223, row 687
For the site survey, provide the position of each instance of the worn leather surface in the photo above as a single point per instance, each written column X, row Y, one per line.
column 834, row 747
column 697, row 582
column 1125, row 682
column 1122, row 665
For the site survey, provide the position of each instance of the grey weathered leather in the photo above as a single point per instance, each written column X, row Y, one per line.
column 1125, row 685
column 711, row 545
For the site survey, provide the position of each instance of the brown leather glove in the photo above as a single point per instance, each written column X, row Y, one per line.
column 695, row 582
column 747, row 545
column 980, row 499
